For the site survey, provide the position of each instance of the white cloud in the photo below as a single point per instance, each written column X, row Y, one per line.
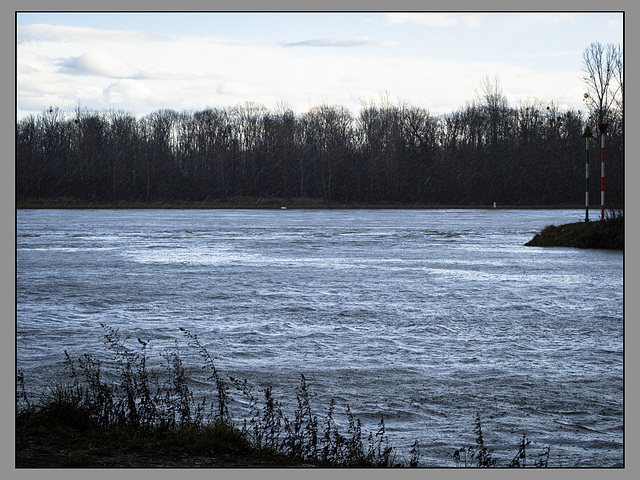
column 554, row 54
column 122, row 92
column 39, row 33
column 239, row 89
column 346, row 42
column 99, row 63
column 440, row 20
column 615, row 24
column 551, row 18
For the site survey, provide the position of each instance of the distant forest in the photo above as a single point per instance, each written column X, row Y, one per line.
column 488, row 151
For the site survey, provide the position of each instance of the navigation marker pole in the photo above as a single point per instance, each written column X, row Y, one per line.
column 587, row 135
column 603, row 129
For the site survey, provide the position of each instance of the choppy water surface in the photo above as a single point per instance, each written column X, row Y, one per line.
column 425, row 316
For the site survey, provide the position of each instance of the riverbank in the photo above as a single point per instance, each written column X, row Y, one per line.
column 605, row 234
column 261, row 203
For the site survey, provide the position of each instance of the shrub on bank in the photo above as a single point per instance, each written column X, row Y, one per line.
column 142, row 418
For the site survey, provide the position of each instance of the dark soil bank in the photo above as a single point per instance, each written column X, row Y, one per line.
column 607, row 234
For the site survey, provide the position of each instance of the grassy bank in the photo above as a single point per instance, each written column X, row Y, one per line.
column 146, row 417
column 605, row 234
column 64, row 434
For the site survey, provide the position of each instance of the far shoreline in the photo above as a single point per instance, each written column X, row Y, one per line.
column 266, row 204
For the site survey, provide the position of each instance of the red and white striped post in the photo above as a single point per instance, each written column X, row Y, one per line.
column 603, row 130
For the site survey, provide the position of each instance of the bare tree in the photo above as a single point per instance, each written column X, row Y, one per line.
column 602, row 65
column 493, row 104
column 618, row 74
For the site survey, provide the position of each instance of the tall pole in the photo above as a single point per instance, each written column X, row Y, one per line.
column 603, row 130
column 587, row 135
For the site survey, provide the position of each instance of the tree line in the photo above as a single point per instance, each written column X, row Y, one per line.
column 485, row 152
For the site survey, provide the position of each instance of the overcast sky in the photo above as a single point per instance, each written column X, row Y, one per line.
column 143, row 62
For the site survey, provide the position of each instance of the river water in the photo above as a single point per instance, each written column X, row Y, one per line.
column 425, row 317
